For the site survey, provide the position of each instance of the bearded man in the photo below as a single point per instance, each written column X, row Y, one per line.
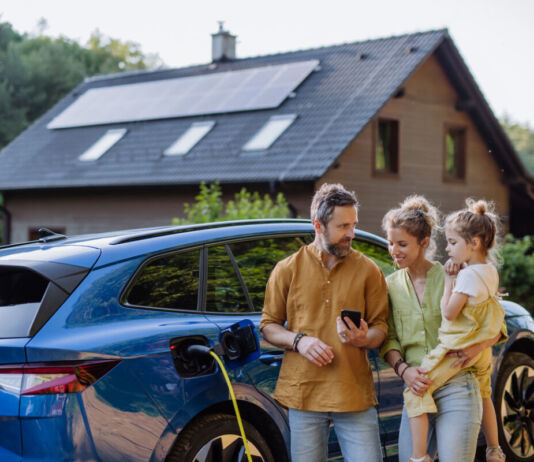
column 325, row 375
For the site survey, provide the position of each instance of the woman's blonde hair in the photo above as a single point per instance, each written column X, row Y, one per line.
column 418, row 217
column 478, row 219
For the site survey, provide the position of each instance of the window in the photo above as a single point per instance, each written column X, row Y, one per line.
column 454, row 168
column 21, row 293
column 168, row 282
column 270, row 132
column 256, row 260
column 377, row 253
column 386, row 153
column 224, row 291
column 189, row 139
column 104, row 144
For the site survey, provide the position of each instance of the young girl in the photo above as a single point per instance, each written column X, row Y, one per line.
column 415, row 293
column 471, row 314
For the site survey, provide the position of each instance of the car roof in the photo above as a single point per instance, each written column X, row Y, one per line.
column 137, row 242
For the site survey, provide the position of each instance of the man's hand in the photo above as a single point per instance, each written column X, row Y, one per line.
column 357, row 337
column 315, row 350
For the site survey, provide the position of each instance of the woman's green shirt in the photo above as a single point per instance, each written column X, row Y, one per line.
column 413, row 327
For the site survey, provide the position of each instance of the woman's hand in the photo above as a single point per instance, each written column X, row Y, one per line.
column 416, row 380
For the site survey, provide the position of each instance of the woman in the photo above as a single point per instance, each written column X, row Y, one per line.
column 415, row 293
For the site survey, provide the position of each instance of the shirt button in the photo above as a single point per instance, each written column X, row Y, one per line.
column 328, row 282
column 327, row 300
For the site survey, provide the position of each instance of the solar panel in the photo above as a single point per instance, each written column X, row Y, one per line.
column 221, row 92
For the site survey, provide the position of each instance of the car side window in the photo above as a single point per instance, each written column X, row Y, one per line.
column 377, row 253
column 170, row 281
column 256, row 259
column 224, row 291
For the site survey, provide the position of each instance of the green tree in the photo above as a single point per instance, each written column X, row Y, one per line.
column 107, row 55
column 522, row 137
column 37, row 71
column 209, row 206
column 517, row 270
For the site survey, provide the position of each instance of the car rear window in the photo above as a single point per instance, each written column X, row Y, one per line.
column 21, row 293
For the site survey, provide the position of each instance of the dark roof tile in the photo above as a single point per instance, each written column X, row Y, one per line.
column 333, row 105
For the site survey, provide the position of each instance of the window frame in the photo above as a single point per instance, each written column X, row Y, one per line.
column 392, row 172
column 202, row 306
column 253, row 144
column 227, row 243
column 461, row 158
column 200, row 129
column 202, row 248
column 133, row 278
column 102, row 145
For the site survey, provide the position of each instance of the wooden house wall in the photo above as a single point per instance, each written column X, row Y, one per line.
column 424, row 111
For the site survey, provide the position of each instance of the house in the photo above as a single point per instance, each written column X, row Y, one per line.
column 387, row 118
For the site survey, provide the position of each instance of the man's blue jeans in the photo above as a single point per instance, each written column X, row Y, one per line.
column 357, row 433
column 454, row 429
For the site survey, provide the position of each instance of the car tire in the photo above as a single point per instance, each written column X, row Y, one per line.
column 216, row 438
column 514, row 399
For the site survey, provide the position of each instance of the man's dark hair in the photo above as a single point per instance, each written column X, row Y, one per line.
column 326, row 198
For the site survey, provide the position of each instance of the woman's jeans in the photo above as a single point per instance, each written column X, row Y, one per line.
column 453, row 430
column 357, row 434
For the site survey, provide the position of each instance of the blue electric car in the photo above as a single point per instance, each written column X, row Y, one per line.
column 94, row 337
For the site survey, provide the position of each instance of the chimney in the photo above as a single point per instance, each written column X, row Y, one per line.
column 222, row 45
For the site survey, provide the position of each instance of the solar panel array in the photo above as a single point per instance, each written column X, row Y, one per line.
column 221, row 92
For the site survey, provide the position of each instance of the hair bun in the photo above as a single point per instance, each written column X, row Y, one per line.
column 479, row 207
column 416, row 203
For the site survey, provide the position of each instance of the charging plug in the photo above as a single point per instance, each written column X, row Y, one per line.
column 197, row 351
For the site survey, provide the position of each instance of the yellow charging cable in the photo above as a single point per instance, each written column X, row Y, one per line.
column 234, row 401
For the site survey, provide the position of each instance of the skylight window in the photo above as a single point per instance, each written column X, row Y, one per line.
column 97, row 150
column 270, row 132
column 189, row 139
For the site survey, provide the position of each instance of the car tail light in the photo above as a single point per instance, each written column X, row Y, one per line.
column 52, row 378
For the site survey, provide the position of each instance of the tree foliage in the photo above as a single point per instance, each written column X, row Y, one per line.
column 37, row 71
column 209, row 206
column 522, row 137
column 517, row 270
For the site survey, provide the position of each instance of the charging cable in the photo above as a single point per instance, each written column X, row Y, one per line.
column 202, row 350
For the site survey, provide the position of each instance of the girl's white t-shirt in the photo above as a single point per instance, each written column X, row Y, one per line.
column 479, row 282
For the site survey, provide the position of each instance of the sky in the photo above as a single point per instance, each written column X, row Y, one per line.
column 494, row 37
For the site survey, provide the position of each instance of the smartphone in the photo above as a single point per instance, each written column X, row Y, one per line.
column 354, row 316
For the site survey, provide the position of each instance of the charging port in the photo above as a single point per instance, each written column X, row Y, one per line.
column 188, row 364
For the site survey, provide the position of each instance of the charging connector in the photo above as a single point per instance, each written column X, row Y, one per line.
column 201, row 351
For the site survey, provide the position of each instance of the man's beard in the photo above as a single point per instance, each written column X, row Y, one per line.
column 334, row 248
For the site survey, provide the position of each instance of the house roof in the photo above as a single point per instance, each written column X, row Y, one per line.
column 333, row 104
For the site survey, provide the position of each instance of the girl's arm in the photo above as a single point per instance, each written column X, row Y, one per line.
column 451, row 303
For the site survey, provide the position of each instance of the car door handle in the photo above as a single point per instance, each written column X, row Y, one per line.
column 272, row 358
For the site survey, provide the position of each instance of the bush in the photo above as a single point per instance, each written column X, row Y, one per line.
column 209, row 206
column 517, row 271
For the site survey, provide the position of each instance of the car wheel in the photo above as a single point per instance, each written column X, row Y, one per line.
column 216, row 438
column 514, row 404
